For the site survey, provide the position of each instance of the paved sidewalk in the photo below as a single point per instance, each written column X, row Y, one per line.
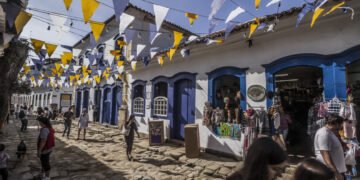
column 102, row 156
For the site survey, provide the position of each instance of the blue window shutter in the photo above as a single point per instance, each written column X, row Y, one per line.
column 340, row 81
column 328, row 75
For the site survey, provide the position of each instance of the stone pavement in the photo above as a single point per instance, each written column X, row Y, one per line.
column 102, row 156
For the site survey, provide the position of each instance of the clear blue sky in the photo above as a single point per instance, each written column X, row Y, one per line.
column 38, row 30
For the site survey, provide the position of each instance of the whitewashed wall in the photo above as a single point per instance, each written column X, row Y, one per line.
column 332, row 34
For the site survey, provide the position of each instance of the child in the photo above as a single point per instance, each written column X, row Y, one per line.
column 3, row 159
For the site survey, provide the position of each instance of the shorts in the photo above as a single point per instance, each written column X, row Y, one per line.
column 45, row 161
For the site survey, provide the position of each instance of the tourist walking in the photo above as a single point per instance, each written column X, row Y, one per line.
column 3, row 162
column 83, row 122
column 68, row 116
column 312, row 169
column 46, row 143
column 328, row 148
column 265, row 160
column 17, row 110
column 130, row 128
column 23, row 119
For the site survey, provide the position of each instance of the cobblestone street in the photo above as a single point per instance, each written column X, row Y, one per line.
column 102, row 156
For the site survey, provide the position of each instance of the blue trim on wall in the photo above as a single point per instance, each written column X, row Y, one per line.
column 333, row 66
column 134, row 84
column 238, row 72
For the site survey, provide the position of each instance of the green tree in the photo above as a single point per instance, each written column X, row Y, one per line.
column 10, row 65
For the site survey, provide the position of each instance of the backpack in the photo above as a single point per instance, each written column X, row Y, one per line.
column 22, row 114
column 50, row 142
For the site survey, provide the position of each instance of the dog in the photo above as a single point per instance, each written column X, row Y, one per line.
column 21, row 150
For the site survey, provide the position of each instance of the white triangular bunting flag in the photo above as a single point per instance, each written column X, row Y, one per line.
column 152, row 54
column 215, row 6
column 139, row 49
column 272, row 2
column 120, row 69
column 125, row 21
column 160, row 14
column 76, row 68
column 155, row 37
column 234, row 14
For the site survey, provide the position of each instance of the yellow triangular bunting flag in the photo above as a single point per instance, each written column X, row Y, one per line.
column 88, row 8
column 21, row 20
column 192, row 17
column 67, row 4
column 177, row 38
column 50, row 48
column 253, row 28
column 77, row 76
column 171, row 53
column 37, row 44
column 317, row 13
column 257, row 4
column 161, row 60
column 133, row 65
column 334, row 8
column 72, row 78
column 97, row 28
column 57, row 67
column 120, row 63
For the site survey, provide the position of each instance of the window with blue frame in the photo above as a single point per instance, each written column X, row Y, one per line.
column 160, row 102
column 139, row 99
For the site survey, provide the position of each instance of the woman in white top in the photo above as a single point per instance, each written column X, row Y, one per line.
column 83, row 122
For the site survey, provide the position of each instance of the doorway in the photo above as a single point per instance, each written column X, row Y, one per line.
column 78, row 103
column 184, row 109
column 106, row 106
column 297, row 87
column 85, row 100
column 97, row 105
column 116, row 103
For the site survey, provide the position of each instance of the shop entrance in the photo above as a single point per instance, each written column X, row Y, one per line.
column 183, row 107
column 353, row 82
column 297, row 87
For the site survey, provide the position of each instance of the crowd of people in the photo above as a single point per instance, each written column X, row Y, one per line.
column 46, row 138
column 268, row 157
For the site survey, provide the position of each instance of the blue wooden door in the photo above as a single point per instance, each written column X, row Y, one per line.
column 107, row 106
column 97, row 105
column 183, row 108
column 78, row 104
column 116, row 103
column 86, row 99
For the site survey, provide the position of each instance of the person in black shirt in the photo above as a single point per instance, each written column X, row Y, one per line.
column 68, row 116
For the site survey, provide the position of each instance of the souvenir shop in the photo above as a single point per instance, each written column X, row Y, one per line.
column 296, row 88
